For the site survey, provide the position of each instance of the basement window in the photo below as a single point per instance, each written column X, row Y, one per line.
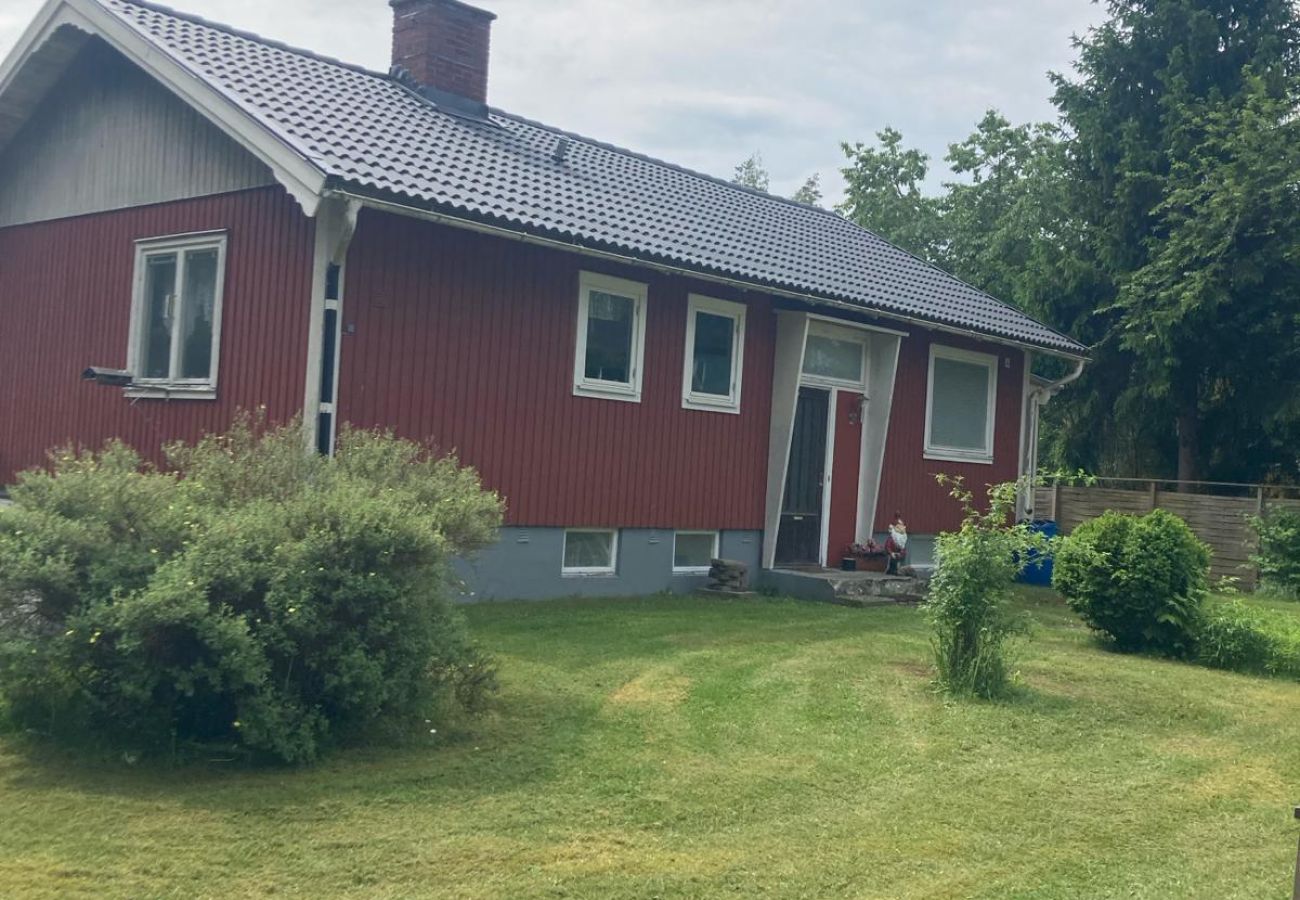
column 961, row 405
column 694, row 552
column 176, row 315
column 590, row 551
column 715, row 347
column 611, row 338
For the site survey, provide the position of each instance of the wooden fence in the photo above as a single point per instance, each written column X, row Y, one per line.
column 1218, row 512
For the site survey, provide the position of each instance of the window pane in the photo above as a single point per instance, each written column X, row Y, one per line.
column 830, row 358
column 960, row 410
column 159, row 288
column 197, row 305
column 609, row 337
column 693, row 551
column 715, row 337
column 589, row 550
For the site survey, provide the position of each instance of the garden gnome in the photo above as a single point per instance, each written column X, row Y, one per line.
column 896, row 543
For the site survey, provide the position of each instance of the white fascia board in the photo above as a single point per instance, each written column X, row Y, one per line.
column 30, row 40
column 304, row 180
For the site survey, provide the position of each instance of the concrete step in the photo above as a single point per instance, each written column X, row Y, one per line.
column 859, row 589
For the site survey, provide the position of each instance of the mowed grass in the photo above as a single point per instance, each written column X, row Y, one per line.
column 680, row 747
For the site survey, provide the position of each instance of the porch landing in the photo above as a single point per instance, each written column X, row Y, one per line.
column 849, row 588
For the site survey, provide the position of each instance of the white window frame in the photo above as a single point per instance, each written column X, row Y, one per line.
column 178, row 245
column 596, row 387
column 836, row 333
column 727, row 309
column 956, row 454
column 695, row 570
column 611, row 569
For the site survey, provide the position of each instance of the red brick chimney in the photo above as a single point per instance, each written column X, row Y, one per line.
column 443, row 45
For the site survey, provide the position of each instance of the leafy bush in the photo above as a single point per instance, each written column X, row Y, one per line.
column 252, row 595
column 1245, row 638
column 1138, row 580
column 968, row 600
column 1278, row 557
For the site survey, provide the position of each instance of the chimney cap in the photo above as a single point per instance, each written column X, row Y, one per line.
column 490, row 16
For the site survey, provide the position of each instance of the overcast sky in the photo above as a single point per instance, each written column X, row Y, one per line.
column 704, row 83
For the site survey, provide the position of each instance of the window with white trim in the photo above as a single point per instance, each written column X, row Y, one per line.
column 694, row 552
column 833, row 356
column 715, row 354
column 961, row 405
column 590, row 551
column 611, row 338
column 176, row 313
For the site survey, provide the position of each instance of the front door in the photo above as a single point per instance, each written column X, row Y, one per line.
column 800, row 536
column 842, row 528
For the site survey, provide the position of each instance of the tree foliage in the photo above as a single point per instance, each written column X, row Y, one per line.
column 885, row 193
column 1159, row 223
column 753, row 173
column 810, row 192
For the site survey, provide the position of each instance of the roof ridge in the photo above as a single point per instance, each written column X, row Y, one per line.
column 250, row 35
column 388, row 76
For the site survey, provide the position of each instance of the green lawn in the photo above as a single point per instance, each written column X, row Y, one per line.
column 677, row 747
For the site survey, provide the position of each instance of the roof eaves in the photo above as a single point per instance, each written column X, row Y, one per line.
column 456, row 216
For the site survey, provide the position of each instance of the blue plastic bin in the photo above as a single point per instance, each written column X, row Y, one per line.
column 1039, row 570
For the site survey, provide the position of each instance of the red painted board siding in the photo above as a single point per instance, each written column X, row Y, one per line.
column 467, row 341
column 845, row 474
column 65, row 304
column 907, row 483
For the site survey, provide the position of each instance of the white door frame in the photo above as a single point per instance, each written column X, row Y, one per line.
column 835, row 388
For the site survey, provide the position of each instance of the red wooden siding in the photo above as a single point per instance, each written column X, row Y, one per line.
column 467, row 341
column 907, row 483
column 845, row 475
column 65, row 302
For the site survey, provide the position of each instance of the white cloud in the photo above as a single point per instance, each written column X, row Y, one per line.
column 704, row 83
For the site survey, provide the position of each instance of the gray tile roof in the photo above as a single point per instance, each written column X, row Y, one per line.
column 368, row 132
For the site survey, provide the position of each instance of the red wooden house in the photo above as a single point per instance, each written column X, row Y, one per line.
column 652, row 366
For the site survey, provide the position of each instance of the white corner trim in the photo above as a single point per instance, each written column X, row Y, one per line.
column 303, row 179
column 698, row 303
column 336, row 225
column 956, row 454
column 637, row 292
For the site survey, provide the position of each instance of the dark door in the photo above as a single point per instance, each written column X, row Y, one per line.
column 798, row 543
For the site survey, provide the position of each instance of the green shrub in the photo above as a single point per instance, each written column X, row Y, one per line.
column 1245, row 638
column 1278, row 557
column 1138, row 580
column 255, row 596
column 968, row 599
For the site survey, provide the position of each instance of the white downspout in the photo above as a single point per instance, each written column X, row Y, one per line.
column 1038, row 398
